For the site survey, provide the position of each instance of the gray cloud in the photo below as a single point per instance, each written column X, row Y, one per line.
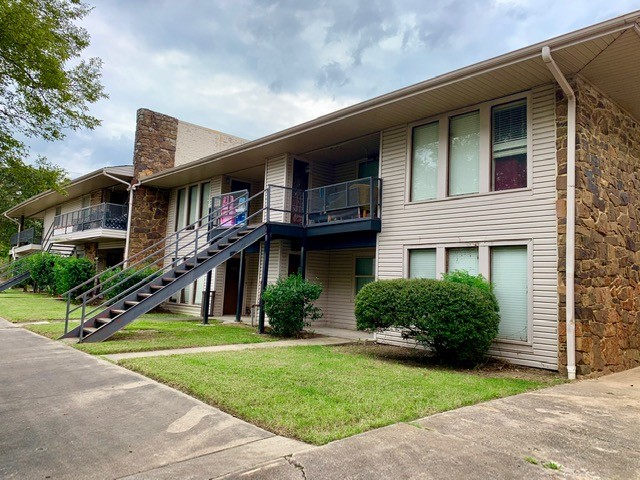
column 252, row 67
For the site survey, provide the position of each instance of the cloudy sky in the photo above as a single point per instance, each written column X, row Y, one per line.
column 253, row 67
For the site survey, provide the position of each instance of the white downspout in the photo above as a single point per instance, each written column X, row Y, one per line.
column 130, row 188
column 571, row 210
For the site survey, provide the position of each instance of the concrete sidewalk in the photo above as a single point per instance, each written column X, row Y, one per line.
column 67, row 415
column 590, row 429
column 114, row 357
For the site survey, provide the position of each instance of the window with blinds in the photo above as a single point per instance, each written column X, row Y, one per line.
column 509, row 277
column 422, row 263
column 424, row 162
column 509, row 145
column 464, row 153
column 463, row 259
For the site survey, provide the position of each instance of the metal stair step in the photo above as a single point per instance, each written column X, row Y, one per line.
column 156, row 287
column 88, row 330
column 180, row 272
column 131, row 303
column 144, row 295
column 117, row 311
column 103, row 320
column 168, row 279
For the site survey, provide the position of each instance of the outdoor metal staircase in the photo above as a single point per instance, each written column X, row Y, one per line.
column 16, row 272
column 179, row 260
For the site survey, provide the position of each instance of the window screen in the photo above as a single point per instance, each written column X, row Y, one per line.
column 424, row 162
column 205, row 194
column 464, row 153
column 463, row 259
column 422, row 263
column 509, row 277
column 509, row 145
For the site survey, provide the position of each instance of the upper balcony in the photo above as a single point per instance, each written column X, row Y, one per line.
column 341, row 208
column 25, row 242
column 103, row 221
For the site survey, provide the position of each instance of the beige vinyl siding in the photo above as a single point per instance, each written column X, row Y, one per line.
column 317, row 271
column 527, row 215
column 251, row 281
column 278, row 172
column 335, row 271
column 47, row 222
column 320, row 174
column 340, row 311
column 345, row 172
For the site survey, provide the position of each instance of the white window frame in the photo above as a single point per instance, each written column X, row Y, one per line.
column 485, row 181
column 185, row 207
column 484, row 268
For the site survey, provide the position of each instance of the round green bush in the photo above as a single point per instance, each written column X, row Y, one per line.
column 289, row 305
column 456, row 321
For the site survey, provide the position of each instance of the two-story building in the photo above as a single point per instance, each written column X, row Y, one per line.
column 523, row 168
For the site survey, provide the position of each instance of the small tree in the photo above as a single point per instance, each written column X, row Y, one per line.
column 289, row 305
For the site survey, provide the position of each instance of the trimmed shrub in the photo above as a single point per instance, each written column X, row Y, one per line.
column 289, row 305
column 70, row 272
column 456, row 321
column 41, row 266
column 132, row 277
column 477, row 281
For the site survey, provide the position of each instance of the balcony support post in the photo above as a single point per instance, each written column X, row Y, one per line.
column 240, row 288
column 265, row 277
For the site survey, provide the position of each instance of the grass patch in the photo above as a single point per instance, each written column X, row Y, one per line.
column 18, row 306
column 320, row 394
column 155, row 332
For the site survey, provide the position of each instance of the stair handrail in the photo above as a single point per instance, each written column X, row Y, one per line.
column 192, row 228
column 174, row 264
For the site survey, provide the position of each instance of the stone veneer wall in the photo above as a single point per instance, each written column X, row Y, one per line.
column 154, row 151
column 607, row 279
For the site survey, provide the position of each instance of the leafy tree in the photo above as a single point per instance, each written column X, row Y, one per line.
column 45, row 89
column 45, row 86
column 19, row 181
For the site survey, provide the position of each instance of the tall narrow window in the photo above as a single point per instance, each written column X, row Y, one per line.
column 464, row 153
column 509, row 145
column 205, row 194
column 509, row 277
column 424, row 162
column 180, row 208
column 192, row 214
column 422, row 263
column 463, row 259
column 364, row 272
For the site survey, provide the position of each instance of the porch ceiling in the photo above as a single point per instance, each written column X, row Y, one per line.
column 607, row 54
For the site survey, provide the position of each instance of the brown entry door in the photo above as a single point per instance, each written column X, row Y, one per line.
column 232, row 274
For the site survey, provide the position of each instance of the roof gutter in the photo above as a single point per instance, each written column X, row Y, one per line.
column 571, row 211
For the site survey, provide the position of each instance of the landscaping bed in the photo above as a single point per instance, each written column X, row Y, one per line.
column 320, row 394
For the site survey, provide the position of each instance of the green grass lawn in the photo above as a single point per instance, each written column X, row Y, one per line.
column 152, row 332
column 320, row 394
column 19, row 306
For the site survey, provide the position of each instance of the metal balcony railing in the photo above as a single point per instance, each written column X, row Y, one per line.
column 25, row 237
column 355, row 199
column 105, row 215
